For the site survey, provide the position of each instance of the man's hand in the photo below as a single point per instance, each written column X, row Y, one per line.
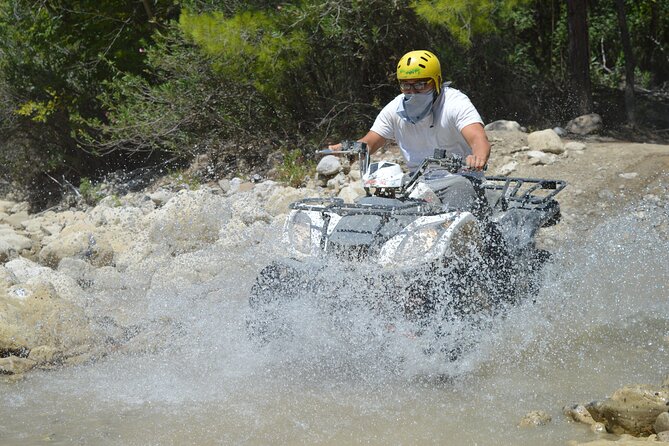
column 335, row 147
column 475, row 162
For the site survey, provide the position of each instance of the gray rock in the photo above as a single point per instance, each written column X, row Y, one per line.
column 628, row 175
column 560, row 131
column 546, row 141
column 225, row 185
column 504, row 125
column 329, row 166
column 507, row 168
column 585, row 124
column 661, row 423
column 538, row 157
column 574, row 146
column 663, row 436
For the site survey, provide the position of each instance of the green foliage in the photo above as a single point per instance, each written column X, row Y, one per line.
column 91, row 193
column 294, row 168
column 248, row 47
column 465, row 18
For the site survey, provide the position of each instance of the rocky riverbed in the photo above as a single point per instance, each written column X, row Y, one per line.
column 63, row 268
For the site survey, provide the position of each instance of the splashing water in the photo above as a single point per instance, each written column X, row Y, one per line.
column 193, row 376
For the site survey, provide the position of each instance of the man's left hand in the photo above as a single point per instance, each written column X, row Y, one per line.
column 475, row 162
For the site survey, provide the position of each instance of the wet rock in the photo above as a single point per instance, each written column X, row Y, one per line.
column 579, row 413
column 189, row 221
column 661, row 423
column 34, row 317
column 328, row 166
column 585, row 124
column 503, row 125
column 624, row 440
column 535, row 418
column 631, row 409
column 12, row 365
column 545, row 141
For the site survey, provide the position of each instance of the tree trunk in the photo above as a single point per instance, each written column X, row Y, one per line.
column 629, row 61
column 579, row 56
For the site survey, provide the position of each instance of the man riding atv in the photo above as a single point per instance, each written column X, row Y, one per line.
column 430, row 115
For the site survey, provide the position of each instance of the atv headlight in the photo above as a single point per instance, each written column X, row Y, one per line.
column 303, row 237
column 418, row 244
column 422, row 241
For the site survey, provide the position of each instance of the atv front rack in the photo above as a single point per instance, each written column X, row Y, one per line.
column 337, row 205
column 523, row 193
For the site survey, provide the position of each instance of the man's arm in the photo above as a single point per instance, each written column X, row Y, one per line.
column 478, row 141
column 373, row 140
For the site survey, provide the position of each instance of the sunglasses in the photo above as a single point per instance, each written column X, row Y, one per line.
column 416, row 86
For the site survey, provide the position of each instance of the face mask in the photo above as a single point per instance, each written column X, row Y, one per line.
column 415, row 106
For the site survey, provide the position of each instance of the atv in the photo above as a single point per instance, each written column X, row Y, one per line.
column 415, row 258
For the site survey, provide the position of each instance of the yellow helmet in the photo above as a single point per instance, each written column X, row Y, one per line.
column 420, row 64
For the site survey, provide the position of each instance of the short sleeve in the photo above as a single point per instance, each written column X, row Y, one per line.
column 384, row 124
column 464, row 112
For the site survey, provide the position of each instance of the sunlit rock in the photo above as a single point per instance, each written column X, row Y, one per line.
column 574, row 146
column 585, row 124
column 503, row 125
column 535, row 418
column 351, row 192
column 578, row 413
column 631, row 409
column 11, row 243
column 538, row 157
column 329, row 166
column 34, row 317
column 507, row 168
column 80, row 241
column 545, row 141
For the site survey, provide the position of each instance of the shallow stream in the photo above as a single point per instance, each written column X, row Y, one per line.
column 601, row 321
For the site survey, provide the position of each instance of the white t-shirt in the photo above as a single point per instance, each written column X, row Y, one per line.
column 451, row 112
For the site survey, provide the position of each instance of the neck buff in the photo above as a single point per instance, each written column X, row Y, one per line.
column 414, row 107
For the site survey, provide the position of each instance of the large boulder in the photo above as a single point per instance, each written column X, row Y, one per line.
column 585, row 124
column 38, row 324
column 80, row 240
column 189, row 221
column 545, row 141
column 631, row 410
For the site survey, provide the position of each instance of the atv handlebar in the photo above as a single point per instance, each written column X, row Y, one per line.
column 351, row 148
